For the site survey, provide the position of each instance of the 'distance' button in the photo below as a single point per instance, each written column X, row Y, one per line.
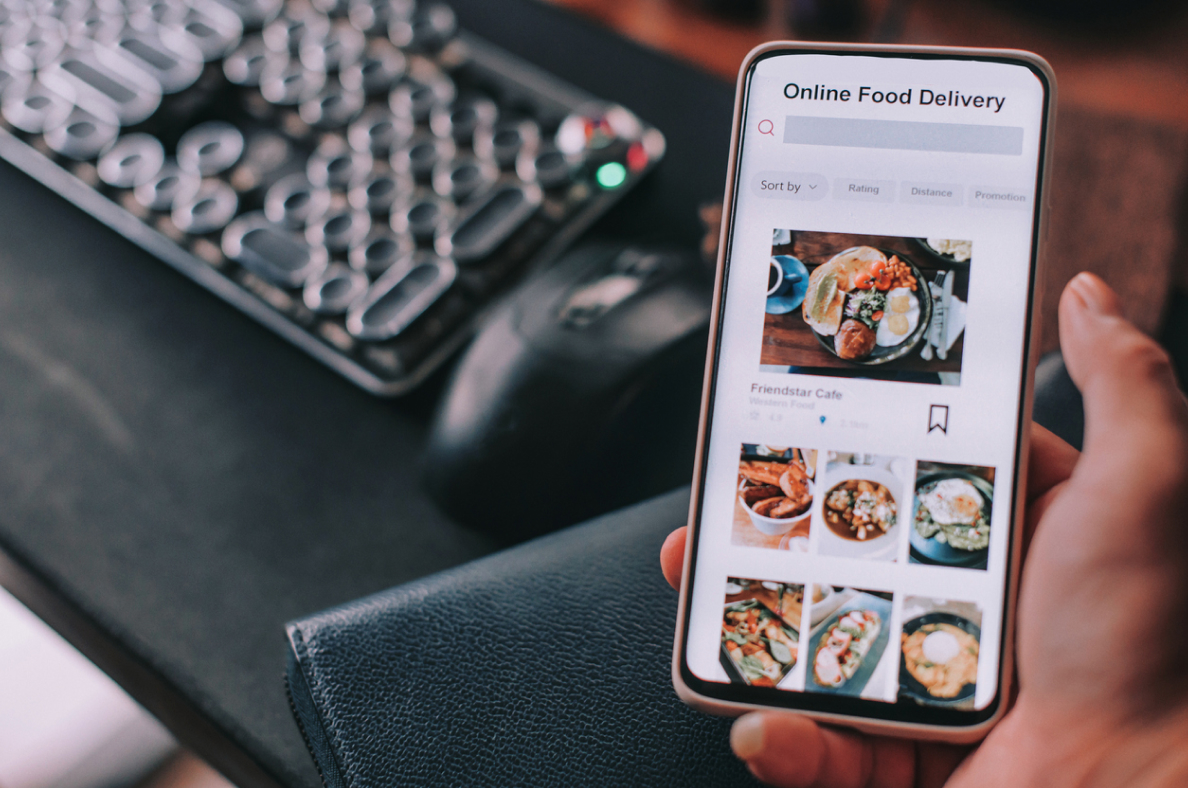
column 931, row 193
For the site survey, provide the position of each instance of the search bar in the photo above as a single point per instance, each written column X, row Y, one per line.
column 904, row 135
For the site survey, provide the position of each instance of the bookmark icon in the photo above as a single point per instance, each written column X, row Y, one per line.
column 938, row 418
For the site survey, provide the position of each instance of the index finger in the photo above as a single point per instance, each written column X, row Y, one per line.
column 1051, row 461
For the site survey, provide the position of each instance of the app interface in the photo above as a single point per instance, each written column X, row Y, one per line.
column 856, row 511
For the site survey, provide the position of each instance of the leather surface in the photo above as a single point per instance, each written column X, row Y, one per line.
column 1057, row 401
column 544, row 665
column 547, row 664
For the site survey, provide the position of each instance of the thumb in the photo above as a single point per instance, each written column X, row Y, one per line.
column 1129, row 389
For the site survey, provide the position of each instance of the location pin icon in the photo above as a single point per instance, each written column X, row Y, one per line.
column 822, row 419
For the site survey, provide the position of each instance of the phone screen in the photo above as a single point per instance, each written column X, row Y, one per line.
column 859, row 466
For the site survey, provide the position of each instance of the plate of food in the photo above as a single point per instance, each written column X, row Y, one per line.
column 868, row 306
column 847, row 648
column 861, row 511
column 948, row 250
column 940, row 659
column 951, row 519
column 758, row 647
column 777, row 494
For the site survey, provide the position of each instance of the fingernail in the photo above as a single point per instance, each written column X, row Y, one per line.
column 746, row 737
column 1094, row 293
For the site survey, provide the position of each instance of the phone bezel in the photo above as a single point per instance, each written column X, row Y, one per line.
column 875, row 716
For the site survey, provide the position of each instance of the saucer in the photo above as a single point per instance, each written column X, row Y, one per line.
column 795, row 286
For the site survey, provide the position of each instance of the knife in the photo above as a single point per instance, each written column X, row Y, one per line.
column 942, row 347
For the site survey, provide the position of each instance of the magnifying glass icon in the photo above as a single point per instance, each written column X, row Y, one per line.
column 767, row 127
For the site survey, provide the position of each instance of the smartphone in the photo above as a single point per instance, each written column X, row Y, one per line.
column 854, row 538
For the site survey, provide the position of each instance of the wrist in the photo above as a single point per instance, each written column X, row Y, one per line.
column 1039, row 744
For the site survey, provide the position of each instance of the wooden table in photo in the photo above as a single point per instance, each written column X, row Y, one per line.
column 789, row 341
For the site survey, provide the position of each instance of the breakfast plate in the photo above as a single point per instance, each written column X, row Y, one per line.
column 950, row 491
column 868, row 306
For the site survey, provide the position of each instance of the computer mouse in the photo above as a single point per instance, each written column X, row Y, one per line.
column 581, row 394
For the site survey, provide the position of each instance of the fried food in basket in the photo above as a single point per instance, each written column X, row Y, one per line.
column 775, row 489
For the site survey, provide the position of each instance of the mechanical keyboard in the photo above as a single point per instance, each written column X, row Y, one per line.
column 358, row 175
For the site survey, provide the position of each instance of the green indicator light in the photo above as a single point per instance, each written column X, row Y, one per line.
column 611, row 175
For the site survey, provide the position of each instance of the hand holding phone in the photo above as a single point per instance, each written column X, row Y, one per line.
column 1105, row 570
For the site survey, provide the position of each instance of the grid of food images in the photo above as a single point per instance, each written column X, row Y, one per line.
column 865, row 507
column 866, row 306
column 775, row 497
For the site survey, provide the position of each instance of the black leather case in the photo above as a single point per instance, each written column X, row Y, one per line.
column 544, row 665
column 547, row 664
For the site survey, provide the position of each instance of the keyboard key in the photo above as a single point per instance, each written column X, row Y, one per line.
column 380, row 251
column 170, row 186
column 381, row 190
column 492, row 219
column 335, row 289
column 379, row 132
column 210, row 148
column 286, row 82
column 103, row 82
column 377, row 71
column 463, row 176
column 400, row 296
column 174, row 65
column 295, row 202
column 271, row 251
column 82, row 136
column 506, row 141
column 342, row 47
column 210, row 209
column 336, row 165
column 339, row 230
column 133, row 160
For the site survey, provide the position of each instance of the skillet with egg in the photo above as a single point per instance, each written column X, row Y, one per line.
column 840, row 308
column 956, row 502
column 941, row 659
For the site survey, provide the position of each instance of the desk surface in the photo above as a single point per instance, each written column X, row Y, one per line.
column 177, row 482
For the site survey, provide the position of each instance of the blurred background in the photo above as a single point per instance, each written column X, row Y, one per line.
column 1123, row 123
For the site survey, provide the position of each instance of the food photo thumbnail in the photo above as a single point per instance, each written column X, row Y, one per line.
column 940, row 642
column 866, row 306
column 848, row 646
column 861, row 505
column 774, row 503
column 761, row 631
column 951, row 518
